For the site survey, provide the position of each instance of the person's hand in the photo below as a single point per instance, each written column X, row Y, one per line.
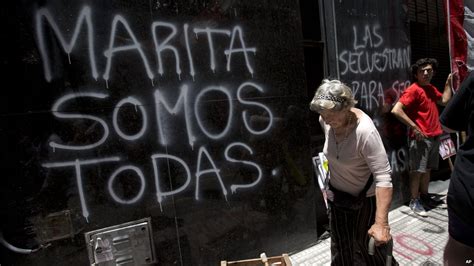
column 450, row 78
column 330, row 195
column 418, row 134
column 380, row 233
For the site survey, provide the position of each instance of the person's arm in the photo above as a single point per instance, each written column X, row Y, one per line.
column 448, row 91
column 456, row 114
column 380, row 230
column 377, row 160
column 400, row 114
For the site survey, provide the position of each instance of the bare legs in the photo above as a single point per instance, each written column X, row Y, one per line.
column 419, row 183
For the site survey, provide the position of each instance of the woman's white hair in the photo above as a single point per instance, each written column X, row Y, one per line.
column 332, row 95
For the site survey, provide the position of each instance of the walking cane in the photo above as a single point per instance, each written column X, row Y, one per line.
column 388, row 261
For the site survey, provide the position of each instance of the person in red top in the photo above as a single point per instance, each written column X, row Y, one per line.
column 417, row 108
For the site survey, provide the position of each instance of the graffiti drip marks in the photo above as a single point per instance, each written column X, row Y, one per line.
column 44, row 19
column 163, row 118
column 203, row 155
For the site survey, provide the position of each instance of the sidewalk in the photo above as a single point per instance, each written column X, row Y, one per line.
column 416, row 240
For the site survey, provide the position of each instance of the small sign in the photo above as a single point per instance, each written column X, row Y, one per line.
column 321, row 167
column 446, row 147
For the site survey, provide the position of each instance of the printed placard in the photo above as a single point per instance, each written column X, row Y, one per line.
column 446, row 147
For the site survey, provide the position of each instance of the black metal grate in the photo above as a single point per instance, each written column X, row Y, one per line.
column 428, row 34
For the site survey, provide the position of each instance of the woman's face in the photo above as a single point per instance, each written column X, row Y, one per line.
column 336, row 119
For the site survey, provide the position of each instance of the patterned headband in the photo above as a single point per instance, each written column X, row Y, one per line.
column 330, row 98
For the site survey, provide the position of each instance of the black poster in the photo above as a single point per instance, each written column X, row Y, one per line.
column 372, row 49
column 369, row 49
column 189, row 113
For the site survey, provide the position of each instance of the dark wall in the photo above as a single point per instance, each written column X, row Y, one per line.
column 193, row 113
column 429, row 38
column 314, row 63
column 428, row 35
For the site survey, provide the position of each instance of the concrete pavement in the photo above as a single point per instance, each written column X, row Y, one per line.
column 417, row 240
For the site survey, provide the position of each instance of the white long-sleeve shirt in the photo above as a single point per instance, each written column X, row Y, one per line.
column 361, row 154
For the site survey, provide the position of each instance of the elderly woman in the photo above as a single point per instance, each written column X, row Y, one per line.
column 360, row 187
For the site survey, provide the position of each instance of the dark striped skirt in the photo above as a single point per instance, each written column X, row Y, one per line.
column 349, row 237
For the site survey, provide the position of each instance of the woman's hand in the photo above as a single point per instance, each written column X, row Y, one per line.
column 380, row 233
